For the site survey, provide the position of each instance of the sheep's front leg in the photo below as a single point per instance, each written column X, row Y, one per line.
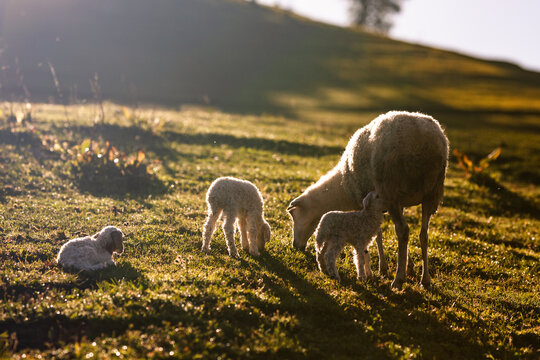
column 402, row 231
column 242, row 224
column 383, row 264
column 320, row 256
column 367, row 266
column 330, row 260
column 228, row 229
column 252, row 236
column 208, row 230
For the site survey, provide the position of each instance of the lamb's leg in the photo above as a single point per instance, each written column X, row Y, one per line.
column 228, row 229
column 209, row 227
column 402, row 232
column 359, row 259
column 383, row 264
column 252, row 236
column 98, row 266
column 330, row 260
column 320, row 256
column 367, row 266
column 426, row 215
column 242, row 224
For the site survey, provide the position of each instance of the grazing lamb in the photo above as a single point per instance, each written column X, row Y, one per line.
column 239, row 201
column 401, row 155
column 92, row 252
column 357, row 228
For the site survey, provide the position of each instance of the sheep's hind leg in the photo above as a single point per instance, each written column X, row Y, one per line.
column 383, row 264
column 426, row 215
column 402, row 232
column 410, row 266
column 209, row 227
column 228, row 229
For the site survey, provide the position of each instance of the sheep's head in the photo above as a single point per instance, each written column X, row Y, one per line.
column 263, row 235
column 373, row 201
column 305, row 219
column 112, row 239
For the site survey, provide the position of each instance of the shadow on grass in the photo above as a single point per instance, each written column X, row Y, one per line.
column 278, row 146
column 19, row 138
column 506, row 199
column 502, row 202
column 115, row 183
column 131, row 138
column 85, row 280
column 121, row 271
column 393, row 317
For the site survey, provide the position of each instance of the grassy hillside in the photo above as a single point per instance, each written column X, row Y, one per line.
column 147, row 169
column 242, row 57
column 166, row 299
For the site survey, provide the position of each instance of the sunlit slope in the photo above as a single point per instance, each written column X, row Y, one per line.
column 241, row 57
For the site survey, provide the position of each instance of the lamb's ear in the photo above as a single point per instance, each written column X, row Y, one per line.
column 117, row 241
column 95, row 235
column 366, row 203
column 110, row 246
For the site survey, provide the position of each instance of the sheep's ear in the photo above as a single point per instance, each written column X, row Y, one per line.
column 117, row 241
column 294, row 204
column 110, row 246
column 95, row 235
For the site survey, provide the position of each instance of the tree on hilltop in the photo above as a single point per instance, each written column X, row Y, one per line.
column 374, row 15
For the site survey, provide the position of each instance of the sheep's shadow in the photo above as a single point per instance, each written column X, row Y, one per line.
column 393, row 309
column 123, row 270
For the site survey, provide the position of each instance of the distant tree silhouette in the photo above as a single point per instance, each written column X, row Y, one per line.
column 374, row 15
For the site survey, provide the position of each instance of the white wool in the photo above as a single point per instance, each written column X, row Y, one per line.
column 91, row 252
column 237, row 201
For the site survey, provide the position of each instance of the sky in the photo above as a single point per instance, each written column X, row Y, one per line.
column 507, row 30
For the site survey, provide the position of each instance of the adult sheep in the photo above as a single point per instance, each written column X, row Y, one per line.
column 401, row 155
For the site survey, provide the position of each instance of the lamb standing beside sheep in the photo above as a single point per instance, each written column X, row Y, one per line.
column 401, row 155
column 357, row 228
column 92, row 252
column 238, row 201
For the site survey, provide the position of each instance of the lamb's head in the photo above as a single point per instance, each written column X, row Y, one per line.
column 111, row 238
column 305, row 219
column 263, row 235
column 374, row 202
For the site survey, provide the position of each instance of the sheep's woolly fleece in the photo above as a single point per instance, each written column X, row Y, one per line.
column 357, row 228
column 91, row 252
column 237, row 201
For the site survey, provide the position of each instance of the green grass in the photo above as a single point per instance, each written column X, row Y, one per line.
column 165, row 298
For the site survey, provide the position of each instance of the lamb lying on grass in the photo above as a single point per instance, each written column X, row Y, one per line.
column 92, row 252
column 239, row 201
column 357, row 228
